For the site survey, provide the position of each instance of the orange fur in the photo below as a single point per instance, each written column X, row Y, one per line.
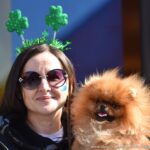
column 127, row 100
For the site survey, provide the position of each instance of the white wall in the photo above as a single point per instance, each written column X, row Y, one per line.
column 5, row 41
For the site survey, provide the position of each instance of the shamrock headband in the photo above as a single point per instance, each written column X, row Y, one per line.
column 55, row 19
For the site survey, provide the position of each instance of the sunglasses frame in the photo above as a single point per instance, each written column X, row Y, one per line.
column 65, row 75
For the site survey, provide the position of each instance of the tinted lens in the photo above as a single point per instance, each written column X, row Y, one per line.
column 31, row 80
column 56, row 77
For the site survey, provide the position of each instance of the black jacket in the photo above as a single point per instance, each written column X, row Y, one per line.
column 16, row 135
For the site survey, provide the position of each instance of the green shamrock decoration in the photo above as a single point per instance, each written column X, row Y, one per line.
column 17, row 22
column 56, row 18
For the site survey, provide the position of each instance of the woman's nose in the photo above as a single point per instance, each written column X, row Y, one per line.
column 44, row 85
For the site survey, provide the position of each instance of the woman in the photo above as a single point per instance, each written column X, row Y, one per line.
column 39, row 87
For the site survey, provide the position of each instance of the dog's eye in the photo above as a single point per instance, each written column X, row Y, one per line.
column 116, row 106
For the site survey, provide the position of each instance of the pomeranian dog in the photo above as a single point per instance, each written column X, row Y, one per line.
column 110, row 112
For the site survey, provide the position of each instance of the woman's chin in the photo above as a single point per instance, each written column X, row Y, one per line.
column 49, row 109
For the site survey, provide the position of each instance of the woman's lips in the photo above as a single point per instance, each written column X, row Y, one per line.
column 44, row 98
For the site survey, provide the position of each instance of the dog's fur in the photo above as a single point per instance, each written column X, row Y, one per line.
column 110, row 112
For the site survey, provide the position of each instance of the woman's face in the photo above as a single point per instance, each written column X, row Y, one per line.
column 44, row 99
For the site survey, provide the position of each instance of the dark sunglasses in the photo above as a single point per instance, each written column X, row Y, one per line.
column 31, row 80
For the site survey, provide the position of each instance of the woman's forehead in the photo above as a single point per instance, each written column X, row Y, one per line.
column 42, row 61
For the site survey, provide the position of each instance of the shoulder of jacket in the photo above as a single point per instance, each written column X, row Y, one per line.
column 5, row 144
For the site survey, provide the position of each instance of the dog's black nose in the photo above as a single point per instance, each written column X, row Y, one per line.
column 103, row 107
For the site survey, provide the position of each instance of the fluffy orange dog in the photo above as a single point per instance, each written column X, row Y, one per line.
column 111, row 113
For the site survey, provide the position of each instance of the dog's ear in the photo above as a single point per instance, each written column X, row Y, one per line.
column 133, row 92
